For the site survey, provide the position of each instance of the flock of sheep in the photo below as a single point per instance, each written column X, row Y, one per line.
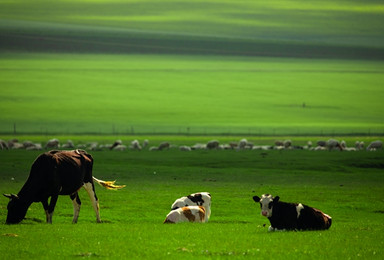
column 331, row 144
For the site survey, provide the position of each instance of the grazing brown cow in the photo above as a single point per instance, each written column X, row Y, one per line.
column 52, row 174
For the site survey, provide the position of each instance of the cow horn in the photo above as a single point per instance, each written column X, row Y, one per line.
column 11, row 196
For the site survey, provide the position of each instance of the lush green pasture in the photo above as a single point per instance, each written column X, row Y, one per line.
column 348, row 186
column 64, row 93
column 191, row 67
column 348, row 29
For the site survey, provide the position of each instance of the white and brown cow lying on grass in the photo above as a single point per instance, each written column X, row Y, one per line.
column 186, row 214
column 196, row 199
column 291, row 216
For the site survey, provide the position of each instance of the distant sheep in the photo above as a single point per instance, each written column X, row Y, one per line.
column 185, row 148
column 3, row 145
column 308, row 146
column 334, row 144
column 17, row 145
column 233, row 145
column 343, row 144
column 287, row 144
column 34, row 147
column 135, row 145
column 243, row 143
column 12, row 142
column 52, row 144
column 153, row 148
column 199, row 146
column 120, row 147
column 68, row 145
column 262, row 147
column 214, row 144
column 375, row 145
column 116, row 143
column 279, row 143
column 319, row 148
column 163, row 145
column 93, row 146
column 359, row 145
column 186, row 214
column 321, row 143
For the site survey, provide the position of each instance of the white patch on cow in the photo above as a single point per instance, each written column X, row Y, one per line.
column 95, row 203
column 298, row 209
column 266, row 208
column 272, row 229
column 328, row 216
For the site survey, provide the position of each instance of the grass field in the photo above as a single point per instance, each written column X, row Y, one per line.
column 346, row 29
column 182, row 67
column 97, row 70
column 189, row 95
column 348, row 186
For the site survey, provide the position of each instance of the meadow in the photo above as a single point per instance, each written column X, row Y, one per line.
column 188, row 72
column 348, row 186
column 134, row 94
column 182, row 67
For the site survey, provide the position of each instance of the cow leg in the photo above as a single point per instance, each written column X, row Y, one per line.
column 76, row 206
column 90, row 188
column 49, row 208
column 45, row 206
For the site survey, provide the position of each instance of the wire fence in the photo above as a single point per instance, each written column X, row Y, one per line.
column 114, row 129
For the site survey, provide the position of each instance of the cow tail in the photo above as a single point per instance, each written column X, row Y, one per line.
column 110, row 185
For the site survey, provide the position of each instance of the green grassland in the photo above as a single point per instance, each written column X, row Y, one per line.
column 97, row 70
column 348, row 186
column 200, row 67
column 277, row 28
column 129, row 94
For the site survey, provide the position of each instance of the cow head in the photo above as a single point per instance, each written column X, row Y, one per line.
column 17, row 209
column 179, row 203
column 266, row 203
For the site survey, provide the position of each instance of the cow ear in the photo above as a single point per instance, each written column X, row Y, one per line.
column 256, row 199
column 276, row 199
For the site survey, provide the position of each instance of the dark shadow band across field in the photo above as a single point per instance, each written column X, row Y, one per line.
column 76, row 39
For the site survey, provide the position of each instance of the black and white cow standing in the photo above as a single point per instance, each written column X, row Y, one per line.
column 52, row 174
column 291, row 216
column 195, row 199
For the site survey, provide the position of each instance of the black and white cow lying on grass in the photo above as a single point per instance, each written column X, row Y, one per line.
column 196, row 199
column 291, row 216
